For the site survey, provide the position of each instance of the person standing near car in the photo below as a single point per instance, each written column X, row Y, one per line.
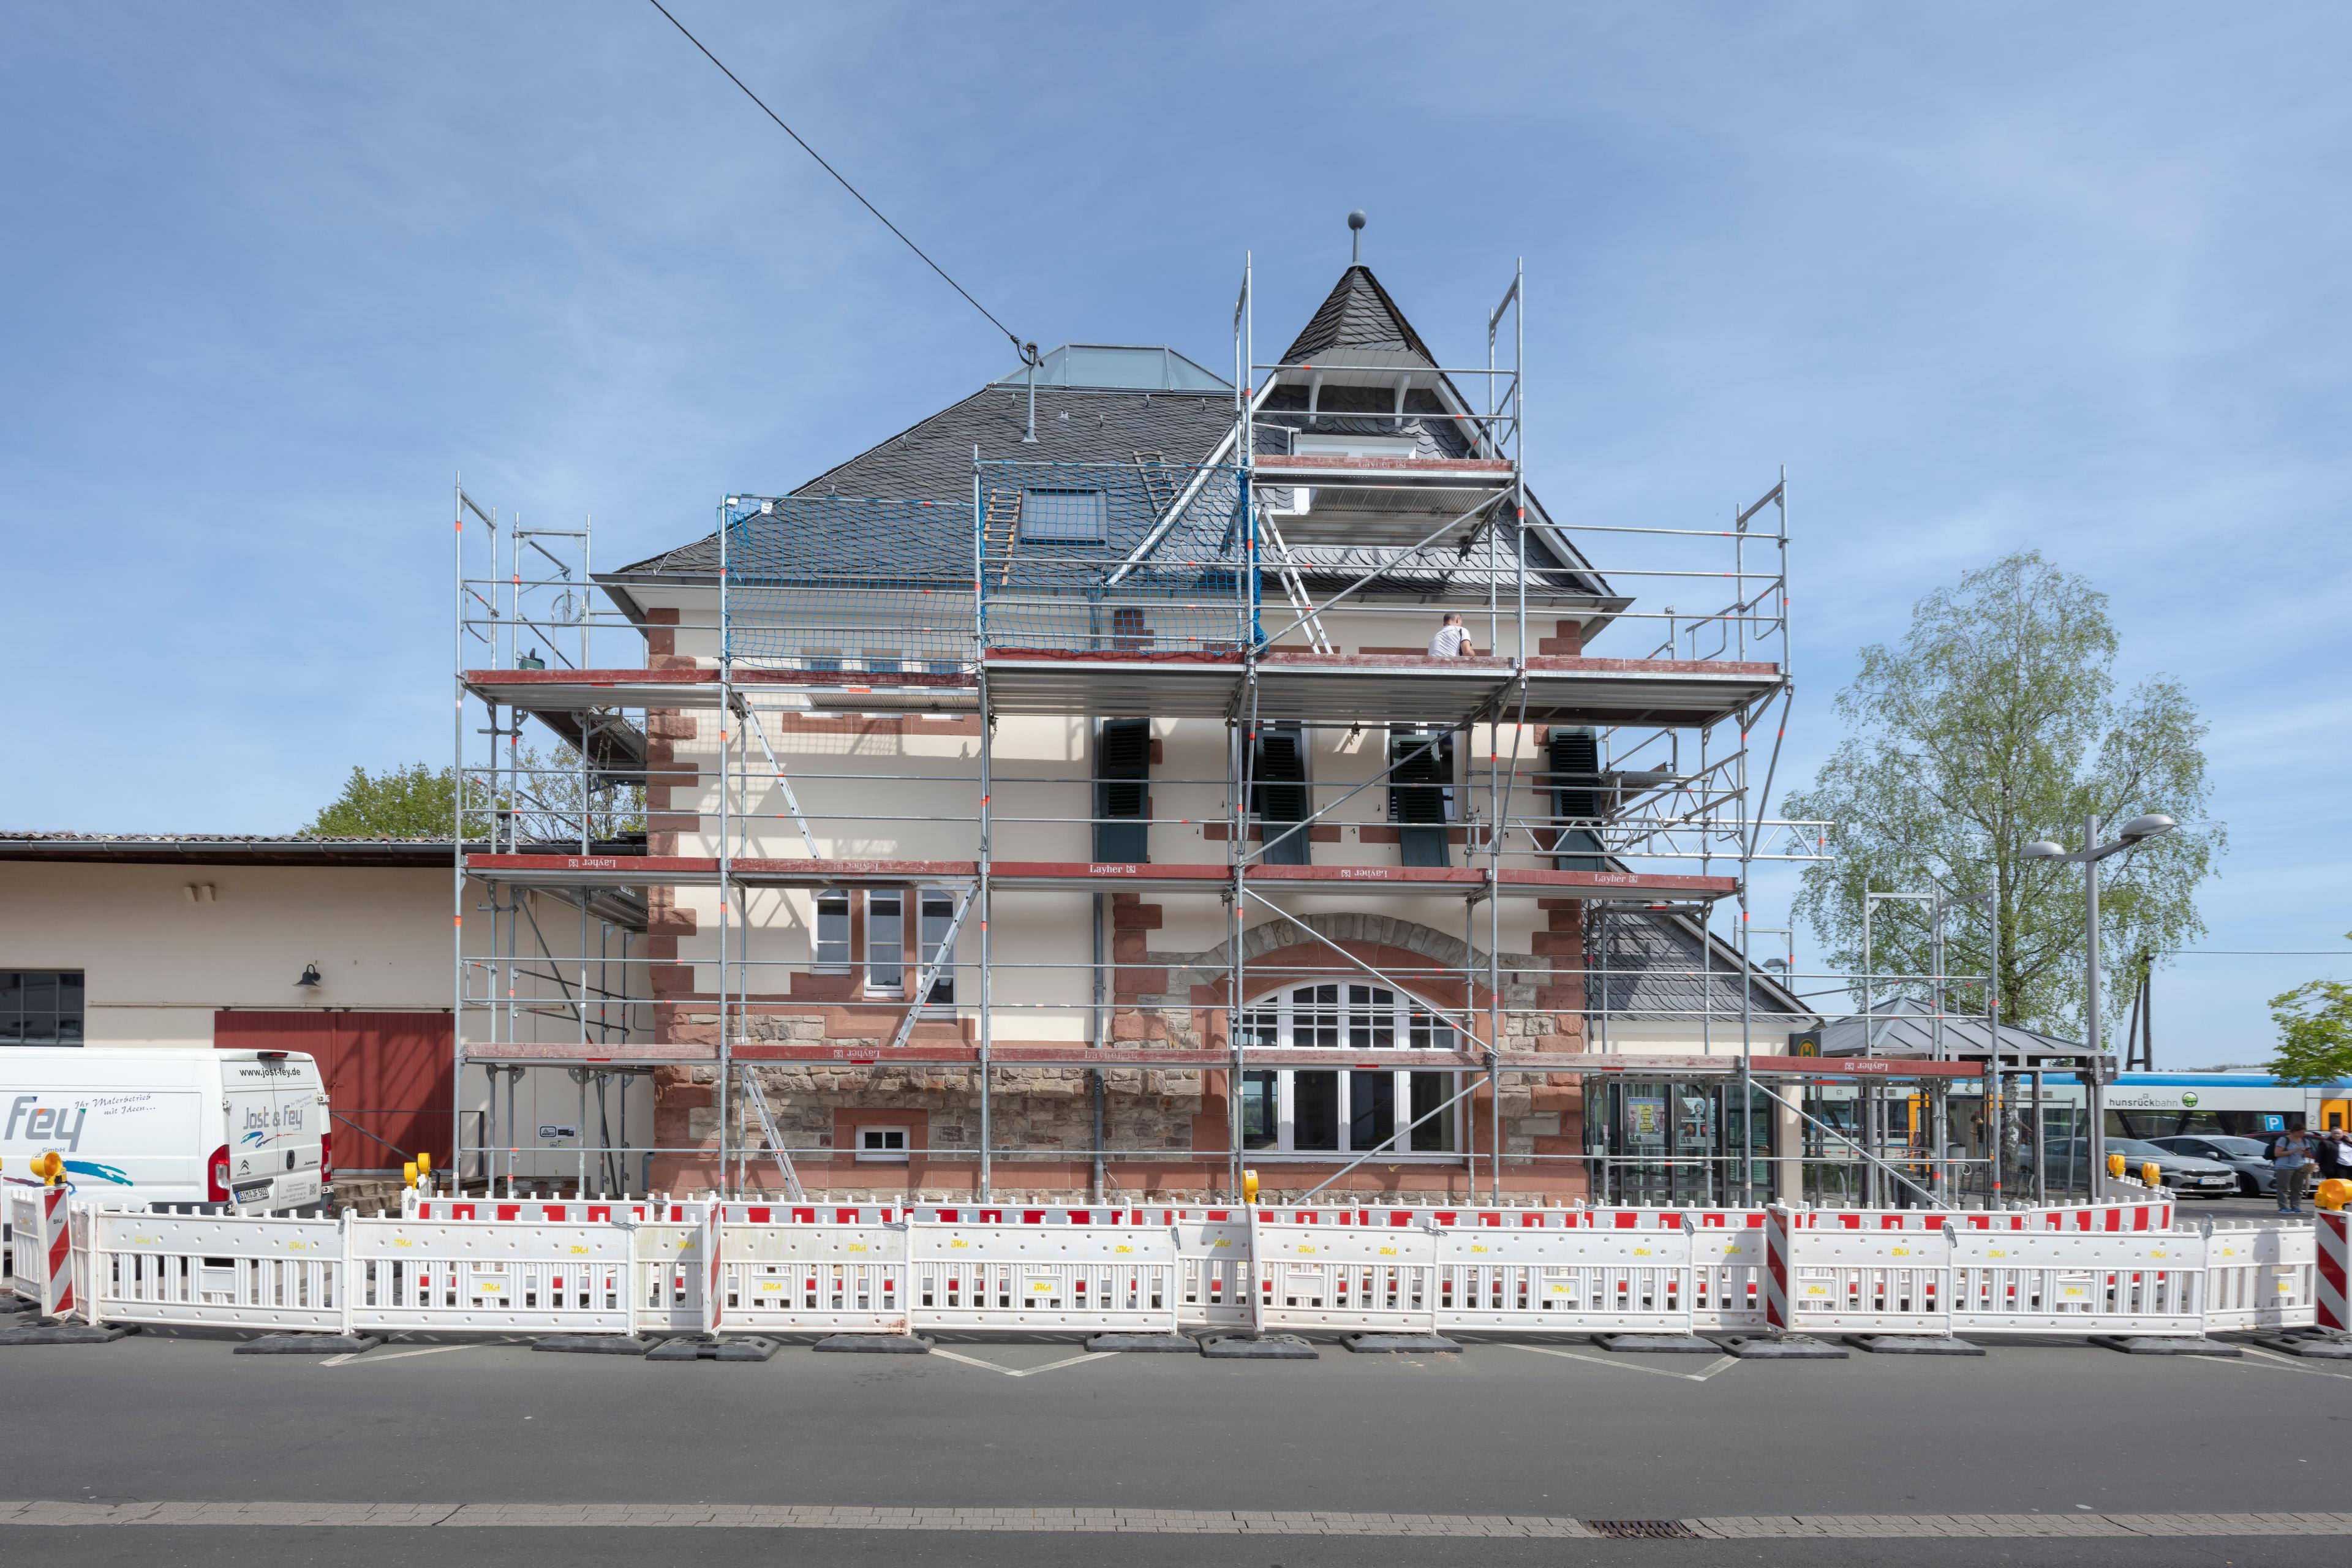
column 2290, row 1168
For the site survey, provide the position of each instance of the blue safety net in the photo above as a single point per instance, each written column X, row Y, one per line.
column 1143, row 558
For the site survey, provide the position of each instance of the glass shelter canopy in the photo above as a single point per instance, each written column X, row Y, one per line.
column 1118, row 367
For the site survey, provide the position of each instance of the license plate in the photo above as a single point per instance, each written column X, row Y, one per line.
column 250, row 1191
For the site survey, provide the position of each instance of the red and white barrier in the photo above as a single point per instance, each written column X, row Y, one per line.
column 2334, row 1263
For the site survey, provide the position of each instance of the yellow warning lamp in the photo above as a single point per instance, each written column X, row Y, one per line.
column 49, row 1168
column 1249, row 1186
column 408, row 1172
column 2115, row 1164
column 2149, row 1175
column 424, row 1163
column 2333, row 1195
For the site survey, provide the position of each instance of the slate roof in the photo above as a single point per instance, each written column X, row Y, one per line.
column 1356, row 314
column 1658, row 972
column 1905, row 1027
column 896, row 538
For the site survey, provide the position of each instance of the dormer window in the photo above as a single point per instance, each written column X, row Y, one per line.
column 1064, row 517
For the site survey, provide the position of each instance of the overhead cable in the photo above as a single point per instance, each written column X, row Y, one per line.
column 1017, row 344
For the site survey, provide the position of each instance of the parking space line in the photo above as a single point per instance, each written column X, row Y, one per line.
column 1624, row 1365
column 2257, row 1356
column 1024, row 1371
column 371, row 1357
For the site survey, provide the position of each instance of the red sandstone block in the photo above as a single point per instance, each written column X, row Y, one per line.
column 1129, row 947
column 1569, row 943
column 664, row 977
column 673, row 726
column 1135, row 917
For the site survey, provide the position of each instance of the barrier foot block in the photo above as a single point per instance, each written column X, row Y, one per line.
column 1258, row 1347
column 2312, row 1346
column 876, row 1344
column 1913, row 1344
column 49, row 1332
column 1132, row 1343
column 1658, row 1344
column 2165, row 1345
column 697, row 1347
column 308, row 1345
column 1790, row 1347
column 1400, row 1344
column 594, row 1345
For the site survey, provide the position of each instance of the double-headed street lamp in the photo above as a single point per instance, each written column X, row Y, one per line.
column 2133, row 834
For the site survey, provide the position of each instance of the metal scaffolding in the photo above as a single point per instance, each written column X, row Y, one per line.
column 1248, row 590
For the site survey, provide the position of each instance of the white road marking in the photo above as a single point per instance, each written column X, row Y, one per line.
column 1624, row 1365
column 2276, row 1362
column 371, row 1357
column 1024, row 1371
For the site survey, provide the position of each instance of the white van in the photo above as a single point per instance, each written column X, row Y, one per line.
column 169, row 1123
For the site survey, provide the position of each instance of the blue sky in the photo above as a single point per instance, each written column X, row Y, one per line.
column 1983, row 277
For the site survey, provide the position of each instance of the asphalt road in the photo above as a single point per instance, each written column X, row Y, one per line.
column 1565, row 1431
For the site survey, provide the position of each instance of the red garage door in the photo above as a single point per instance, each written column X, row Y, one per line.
column 388, row 1077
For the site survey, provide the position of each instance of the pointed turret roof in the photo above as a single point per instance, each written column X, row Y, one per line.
column 1358, row 324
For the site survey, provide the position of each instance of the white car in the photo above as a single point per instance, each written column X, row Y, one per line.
column 169, row 1124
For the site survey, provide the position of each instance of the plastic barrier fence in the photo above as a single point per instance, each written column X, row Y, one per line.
column 1117, row 1278
column 244, row 1270
column 2261, row 1277
column 1546, row 1281
column 685, row 1267
column 20, row 1213
column 805, row 1277
column 2097, row 1283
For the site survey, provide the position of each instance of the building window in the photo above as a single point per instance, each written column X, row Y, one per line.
column 1421, row 792
column 1279, row 795
column 832, row 933
column 1064, row 517
column 40, row 1007
column 1350, row 1110
column 882, row 661
column 938, row 915
column 824, row 659
column 1123, row 790
column 886, row 945
column 886, row 1144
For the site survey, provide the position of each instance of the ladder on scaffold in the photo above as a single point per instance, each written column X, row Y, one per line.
column 1161, row 495
column 782, row 1156
column 750, row 721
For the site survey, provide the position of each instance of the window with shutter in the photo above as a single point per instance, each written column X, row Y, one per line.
column 1279, row 793
column 1576, row 797
column 1421, row 794
column 1123, row 790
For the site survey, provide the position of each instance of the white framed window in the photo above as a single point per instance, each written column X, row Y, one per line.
column 831, row 949
column 882, row 1144
column 886, row 944
column 936, row 913
column 1350, row 1110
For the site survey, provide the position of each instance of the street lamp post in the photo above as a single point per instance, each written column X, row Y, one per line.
column 2129, row 837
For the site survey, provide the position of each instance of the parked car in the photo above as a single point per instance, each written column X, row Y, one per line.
column 2250, row 1157
column 2186, row 1174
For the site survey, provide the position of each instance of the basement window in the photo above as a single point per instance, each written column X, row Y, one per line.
column 40, row 1007
column 882, row 1144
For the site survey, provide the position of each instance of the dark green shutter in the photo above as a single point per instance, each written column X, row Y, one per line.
column 1421, row 768
column 1122, row 791
column 1576, row 793
column 1279, row 781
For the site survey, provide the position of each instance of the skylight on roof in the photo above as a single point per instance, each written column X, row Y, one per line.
column 1124, row 368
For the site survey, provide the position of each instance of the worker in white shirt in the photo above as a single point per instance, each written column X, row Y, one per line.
column 1452, row 641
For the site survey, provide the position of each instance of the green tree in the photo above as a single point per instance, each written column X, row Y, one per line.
column 418, row 802
column 2314, row 1023
column 1997, row 722
column 414, row 802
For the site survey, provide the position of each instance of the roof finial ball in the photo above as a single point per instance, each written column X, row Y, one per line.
column 1356, row 238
